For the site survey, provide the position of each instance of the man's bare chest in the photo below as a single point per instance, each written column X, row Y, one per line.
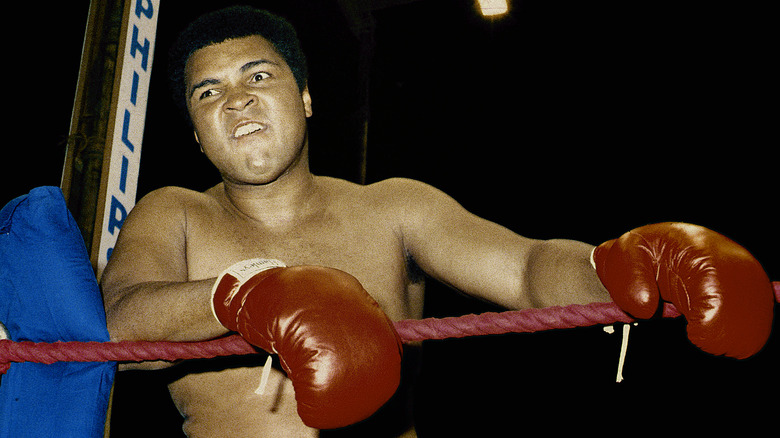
column 364, row 247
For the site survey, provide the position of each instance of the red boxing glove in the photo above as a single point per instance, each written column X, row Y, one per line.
column 338, row 347
column 718, row 286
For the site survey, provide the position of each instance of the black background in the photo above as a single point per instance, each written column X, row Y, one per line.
column 565, row 119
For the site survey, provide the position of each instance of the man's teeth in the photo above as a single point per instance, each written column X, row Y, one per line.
column 247, row 129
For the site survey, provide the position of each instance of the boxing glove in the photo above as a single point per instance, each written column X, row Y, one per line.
column 338, row 347
column 720, row 288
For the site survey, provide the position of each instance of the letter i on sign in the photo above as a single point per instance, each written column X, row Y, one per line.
column 128, row 113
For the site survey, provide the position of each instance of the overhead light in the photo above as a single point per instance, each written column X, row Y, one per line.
column 493, row 7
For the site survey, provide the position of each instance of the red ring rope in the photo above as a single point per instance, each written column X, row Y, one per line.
column 516, row 321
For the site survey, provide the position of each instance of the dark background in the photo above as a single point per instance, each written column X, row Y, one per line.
column 565, row 119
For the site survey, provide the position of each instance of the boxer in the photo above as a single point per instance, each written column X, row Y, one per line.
column 241, row 77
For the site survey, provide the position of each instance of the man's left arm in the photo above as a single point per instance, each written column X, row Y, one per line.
column 720, row 288
column 489, row 261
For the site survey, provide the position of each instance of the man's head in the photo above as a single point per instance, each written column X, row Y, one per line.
column 231, row 23
column 240, row 75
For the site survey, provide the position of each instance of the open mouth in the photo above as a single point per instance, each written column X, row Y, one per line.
column 247, row 128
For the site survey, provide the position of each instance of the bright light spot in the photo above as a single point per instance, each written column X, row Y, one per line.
column 493, row 7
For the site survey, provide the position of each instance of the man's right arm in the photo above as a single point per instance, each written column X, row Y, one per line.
column 146, row 289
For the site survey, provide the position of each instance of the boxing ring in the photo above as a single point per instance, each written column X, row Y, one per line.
column 59, row 349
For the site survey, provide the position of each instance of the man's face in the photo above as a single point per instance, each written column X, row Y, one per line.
column 249, row 116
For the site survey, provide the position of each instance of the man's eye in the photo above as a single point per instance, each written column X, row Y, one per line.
column 207, row 93
column 257, row 77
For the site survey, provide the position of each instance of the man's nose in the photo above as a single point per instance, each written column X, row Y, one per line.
column 240, row 99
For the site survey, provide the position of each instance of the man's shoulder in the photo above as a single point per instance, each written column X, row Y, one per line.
column 170, row 203
column 393, row 197
column 402, row 189
column 405, row 194
column 406, row 202
column 380, row 190
column 172, row 197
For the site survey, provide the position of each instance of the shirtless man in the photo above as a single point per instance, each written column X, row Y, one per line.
column 248, row 103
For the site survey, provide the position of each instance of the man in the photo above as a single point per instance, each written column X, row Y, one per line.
column 242, row 79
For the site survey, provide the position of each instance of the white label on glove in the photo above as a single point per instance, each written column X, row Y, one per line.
column 243, row 271
column 246, row 269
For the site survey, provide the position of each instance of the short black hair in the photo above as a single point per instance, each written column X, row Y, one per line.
column 231, row 23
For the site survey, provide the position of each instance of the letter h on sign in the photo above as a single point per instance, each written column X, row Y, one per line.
column 129, row 117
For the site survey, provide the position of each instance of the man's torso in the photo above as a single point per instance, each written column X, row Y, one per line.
column 350, row 228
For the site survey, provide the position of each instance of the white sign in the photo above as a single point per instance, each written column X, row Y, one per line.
column 129, row 118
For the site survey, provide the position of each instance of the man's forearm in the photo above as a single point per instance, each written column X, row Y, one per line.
column 560, row 273
column 164, row 311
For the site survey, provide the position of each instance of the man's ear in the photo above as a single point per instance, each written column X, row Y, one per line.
column 306, row 101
